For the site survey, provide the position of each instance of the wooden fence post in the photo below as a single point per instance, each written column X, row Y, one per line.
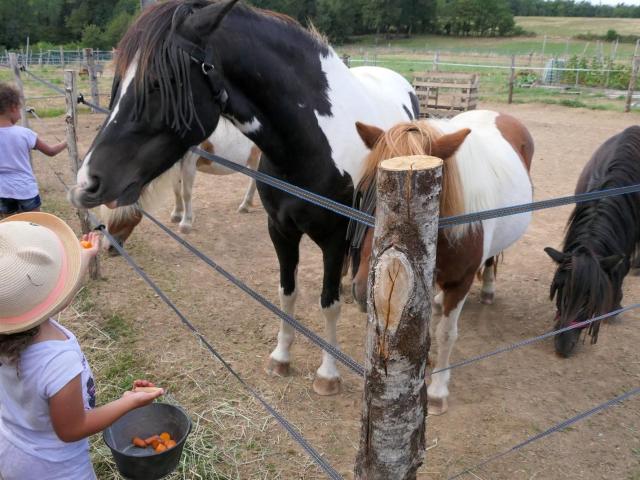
column 71, row 119
column 93, row 77
column 632, row 83
column 394, row 408
column 512, row 78
column 62, row 57
column 436, row 61
column 13, row 63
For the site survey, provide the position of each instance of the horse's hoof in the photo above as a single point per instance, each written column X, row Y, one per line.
column 185, row 229
column 176, row 218
column 243, row 209
column 275, row 368
column 327, row 386
column 437, row 406
column 487, row 298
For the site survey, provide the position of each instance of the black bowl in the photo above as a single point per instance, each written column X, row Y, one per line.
column 144, row 464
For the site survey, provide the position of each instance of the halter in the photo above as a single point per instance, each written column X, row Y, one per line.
column 205, row 59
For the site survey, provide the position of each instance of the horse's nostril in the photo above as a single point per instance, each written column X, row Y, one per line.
column 93, row 186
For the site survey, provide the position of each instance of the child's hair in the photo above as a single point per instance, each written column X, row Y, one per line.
column 12, row 346
column 9, row 97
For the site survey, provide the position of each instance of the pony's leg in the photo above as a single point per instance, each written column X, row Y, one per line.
column 446, row 335
column 252, row 163
column 178, row 209
column 488, row 292
column 248, row 197
column 327, row 381
column 437, row 303
column 288, row 251
column 188, row 179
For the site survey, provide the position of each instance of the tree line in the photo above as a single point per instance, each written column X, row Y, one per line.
column 100, row 23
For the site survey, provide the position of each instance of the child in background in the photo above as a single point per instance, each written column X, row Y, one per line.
column 47, row 392
column 18, row 185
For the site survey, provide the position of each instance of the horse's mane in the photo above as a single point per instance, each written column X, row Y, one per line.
column 415, row 138
column 405, row 139
column 161, row 62
column 602, row 228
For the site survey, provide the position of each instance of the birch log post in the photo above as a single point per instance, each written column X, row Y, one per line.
column 392, row 439
column 71, row 120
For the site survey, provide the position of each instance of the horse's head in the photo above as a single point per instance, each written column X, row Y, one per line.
column 410, row 138
column 167, row 96
column 584, row 286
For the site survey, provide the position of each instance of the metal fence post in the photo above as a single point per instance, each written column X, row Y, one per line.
column 394, row 408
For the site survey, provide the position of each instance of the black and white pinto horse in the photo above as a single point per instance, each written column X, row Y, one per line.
column 601, row 239
column 182, row 65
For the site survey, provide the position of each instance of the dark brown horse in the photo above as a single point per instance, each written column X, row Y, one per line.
column 602, row 237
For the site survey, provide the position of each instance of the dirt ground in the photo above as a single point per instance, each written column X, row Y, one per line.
column 494, row 404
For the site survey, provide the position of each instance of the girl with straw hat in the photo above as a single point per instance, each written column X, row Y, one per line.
column 47, row 392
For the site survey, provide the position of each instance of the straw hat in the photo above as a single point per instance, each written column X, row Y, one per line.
column 40, row 269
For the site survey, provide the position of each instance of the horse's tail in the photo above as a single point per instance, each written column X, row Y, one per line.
column 121, row 221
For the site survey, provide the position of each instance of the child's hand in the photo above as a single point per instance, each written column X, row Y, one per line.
column 90, row 244
column 140, row 399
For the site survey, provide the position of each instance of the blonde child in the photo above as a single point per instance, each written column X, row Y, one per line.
column 18, row 185
column 47, row 392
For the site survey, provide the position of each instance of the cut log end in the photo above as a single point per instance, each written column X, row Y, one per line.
column 415, row 162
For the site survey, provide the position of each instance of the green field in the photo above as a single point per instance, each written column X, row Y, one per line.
column 563, row 27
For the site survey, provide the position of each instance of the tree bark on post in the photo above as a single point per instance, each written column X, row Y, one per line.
column 512, row 78
column 632, row 83
column 394, row 408
column 71, row 120
column 93, row 77
column 13, row 63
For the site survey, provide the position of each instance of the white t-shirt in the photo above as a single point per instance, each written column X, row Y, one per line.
column 45, row 368
column 16, row 175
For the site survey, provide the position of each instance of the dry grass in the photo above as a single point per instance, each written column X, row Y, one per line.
column 563, row 27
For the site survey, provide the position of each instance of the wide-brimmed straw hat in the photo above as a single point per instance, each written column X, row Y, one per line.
column 40, row 269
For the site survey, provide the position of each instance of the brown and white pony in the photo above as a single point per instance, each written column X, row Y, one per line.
column 226, row 141
column 487, row 157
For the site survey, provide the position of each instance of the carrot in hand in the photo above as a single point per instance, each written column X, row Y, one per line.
column 86, row 244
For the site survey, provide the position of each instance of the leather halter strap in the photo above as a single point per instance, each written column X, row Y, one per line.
column 205, row 58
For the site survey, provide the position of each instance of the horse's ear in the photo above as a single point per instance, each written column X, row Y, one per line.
column 610, row 263
column 218, row 11
column 369, row 134
column 445, row 146
column 555, row 255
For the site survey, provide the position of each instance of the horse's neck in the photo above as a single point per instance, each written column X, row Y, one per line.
column 282, row 86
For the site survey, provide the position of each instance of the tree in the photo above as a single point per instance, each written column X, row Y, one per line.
column 93, row 37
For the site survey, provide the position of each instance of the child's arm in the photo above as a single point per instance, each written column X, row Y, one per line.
column 50, row 150
column 72, row 422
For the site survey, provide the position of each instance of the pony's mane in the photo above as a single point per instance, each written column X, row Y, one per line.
column 404, row 139
column 415, row 138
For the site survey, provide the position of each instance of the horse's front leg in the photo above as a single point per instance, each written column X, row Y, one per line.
column 446, row 335
column 188, row 173
column 287, row 246
column 328, row 381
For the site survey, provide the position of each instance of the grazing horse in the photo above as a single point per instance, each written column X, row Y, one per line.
column 228, row 142
column 184, row 64
column 487, row 157
column 601, row 239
